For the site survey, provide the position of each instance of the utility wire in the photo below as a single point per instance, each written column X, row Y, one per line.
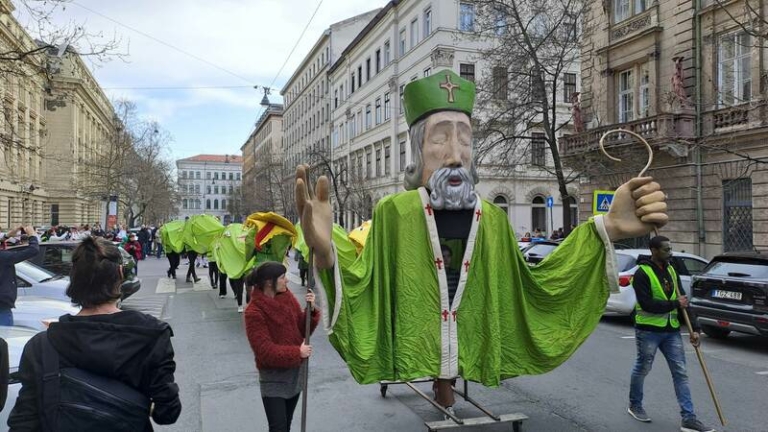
column 196, row 57
column 297, row 43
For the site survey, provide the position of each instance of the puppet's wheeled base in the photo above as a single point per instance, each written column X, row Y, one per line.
column 453, row 422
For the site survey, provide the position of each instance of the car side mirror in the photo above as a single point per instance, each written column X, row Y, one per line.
column 3, row 372
column 21, row 283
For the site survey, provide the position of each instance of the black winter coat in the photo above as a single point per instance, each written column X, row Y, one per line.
column 130, row 346
column 8, row 258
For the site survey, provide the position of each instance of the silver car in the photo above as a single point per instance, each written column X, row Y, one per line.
column 37, row 312
column 32, row 280
column 623, row 302
column 16, row 337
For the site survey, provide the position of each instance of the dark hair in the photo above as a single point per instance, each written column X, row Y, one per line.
column 95, row 276
column 656, row 242
column 268, row 271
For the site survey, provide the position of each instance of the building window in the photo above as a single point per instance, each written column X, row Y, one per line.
column 500, row 21
column 197, row 175
column 539, row 214
column 335, row 98
column 502, row 203
column 387, row 53
column 207, row 204
column 216, row 176
column 208, row 175
column 231, row 176
column 734, row 68
column 352, row 87
column 402, row 42
column 197, row 188
column 402, row 88
column 378, row 60
column 626, row 96
column 574, row 210
column 427, row 72
column 402, row 156
column 467, row 71
column 427, row 22
column 360, row 76
column 737, row 215
column 538, row 149
column 184, row 204
column 368, row 172
column 367, row 116
column 223, row 204
column 387, row 168
column 500, row 83
column 237, row 177
column 414, row 33
column 378, row 111
column 645, row 95
column 231, row 189
column 466, row 17
column 569, row 86
column 215, row 204
column 386, row 106
column 367, row 69
column 623, row 9
column 216, row 190
column 208, row 190
column 378, row 162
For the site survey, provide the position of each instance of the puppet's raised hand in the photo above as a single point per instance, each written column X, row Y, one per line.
column 637, row 208
column 316, row 217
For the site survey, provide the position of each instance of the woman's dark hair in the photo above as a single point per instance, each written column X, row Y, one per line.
column 268, row 271
column 95, row 276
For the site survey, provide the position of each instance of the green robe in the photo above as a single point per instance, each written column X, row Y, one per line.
column 389, row 316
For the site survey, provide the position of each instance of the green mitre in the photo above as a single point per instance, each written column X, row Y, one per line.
column 442, row 91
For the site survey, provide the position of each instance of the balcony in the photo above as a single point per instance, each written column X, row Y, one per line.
column 733, row 119
column 657, row 130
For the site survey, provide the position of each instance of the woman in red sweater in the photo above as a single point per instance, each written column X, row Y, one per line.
column 275, row 326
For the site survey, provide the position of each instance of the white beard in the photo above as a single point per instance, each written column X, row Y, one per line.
column 443, row 196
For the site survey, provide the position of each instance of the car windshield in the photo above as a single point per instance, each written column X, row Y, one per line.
column 33, row 272
column 540, row 249
column 625, row 262
column 754, row 269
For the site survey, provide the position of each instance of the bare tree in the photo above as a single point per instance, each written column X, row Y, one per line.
column 523, row 101
column 268, row 191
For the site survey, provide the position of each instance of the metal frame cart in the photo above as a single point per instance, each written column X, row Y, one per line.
column 453, row 422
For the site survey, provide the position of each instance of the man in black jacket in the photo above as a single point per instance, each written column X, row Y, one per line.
column 8, row 258
column 657, row 327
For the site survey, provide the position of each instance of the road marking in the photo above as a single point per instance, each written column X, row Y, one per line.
column 762, row 373
column 203, row 285
column 165, row 286
column 627, row 337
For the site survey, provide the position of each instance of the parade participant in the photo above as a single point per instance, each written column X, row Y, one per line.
column 275, row 326
column 8, row 260
column 213, row 269
column 506, row 319
column 191, row 274
column 171, row 237
column 657, row 327
column 126, row 346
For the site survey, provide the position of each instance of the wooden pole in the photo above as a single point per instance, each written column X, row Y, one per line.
column 307, row 328
column 687, row 320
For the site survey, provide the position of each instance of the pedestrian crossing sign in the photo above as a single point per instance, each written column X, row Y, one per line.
column 601, row 201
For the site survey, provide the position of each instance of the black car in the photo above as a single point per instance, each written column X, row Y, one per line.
column 731, row 294
column 56, row 257
column 538, row 250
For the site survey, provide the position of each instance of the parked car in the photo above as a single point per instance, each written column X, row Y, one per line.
column 623, row 302
column 37, row 312
column 732, row 295
column 57, row 258
column 538, row 250
column 16, row 337
column 32, row 280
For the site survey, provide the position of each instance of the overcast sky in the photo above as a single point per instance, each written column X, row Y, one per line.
column 250, row 38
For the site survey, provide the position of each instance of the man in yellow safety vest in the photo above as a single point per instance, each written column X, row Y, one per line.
column 657, row 327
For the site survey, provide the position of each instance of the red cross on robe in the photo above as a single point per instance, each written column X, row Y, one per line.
column 445, row 314
column 439, row 263
column 466, row 266
column 428, row 208
column 454, row 315
column 478, row 213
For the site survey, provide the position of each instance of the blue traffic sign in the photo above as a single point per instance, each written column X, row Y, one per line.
column 601, row 201
column 550, row 202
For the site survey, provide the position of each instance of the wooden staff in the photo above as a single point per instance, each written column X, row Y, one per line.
column 307, row 327
column 687, row 319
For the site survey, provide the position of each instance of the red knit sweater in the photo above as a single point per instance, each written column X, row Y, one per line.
column 275, row 329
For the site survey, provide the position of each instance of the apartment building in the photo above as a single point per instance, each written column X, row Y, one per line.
column 690, row 78
column 207, row 182
column 22, row 128
column 307, row 101
column 263, row 168
column 370, row 147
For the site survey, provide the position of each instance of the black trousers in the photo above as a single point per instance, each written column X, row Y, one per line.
column 173, row 263
column 280, row 412
column 222, row 284
column 237, row 287
column 192, row 256
column 213, row 273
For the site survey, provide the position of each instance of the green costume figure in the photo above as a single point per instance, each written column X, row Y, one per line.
column 389, row 313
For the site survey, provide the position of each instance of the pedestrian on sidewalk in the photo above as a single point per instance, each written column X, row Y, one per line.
column 303, row 266
column 158, row 242
column 192, row 256
column 657, row 327
column 174, row 259
column 237, row 288
column 275, row 326
column 126, row 346
column 133, row 247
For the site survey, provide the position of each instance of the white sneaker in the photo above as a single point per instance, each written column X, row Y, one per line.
column 450, row 410
column 240, row 309
column 221, row 296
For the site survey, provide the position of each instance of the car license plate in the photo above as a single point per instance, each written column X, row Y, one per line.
column 729, row 295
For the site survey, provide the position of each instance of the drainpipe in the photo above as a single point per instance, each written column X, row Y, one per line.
column 698, row 130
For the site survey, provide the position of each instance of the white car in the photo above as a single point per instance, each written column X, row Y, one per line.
column 623, row 302
column 16, row 337
column 32, row 280
column 37, row 312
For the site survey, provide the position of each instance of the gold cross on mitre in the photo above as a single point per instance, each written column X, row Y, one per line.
column 448, row 85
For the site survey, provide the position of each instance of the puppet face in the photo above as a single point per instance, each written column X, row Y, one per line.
column 447, row 143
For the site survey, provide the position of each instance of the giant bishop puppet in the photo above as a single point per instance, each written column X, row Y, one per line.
column 390, row 312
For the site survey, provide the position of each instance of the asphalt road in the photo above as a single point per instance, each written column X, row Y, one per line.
column 219, row 385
